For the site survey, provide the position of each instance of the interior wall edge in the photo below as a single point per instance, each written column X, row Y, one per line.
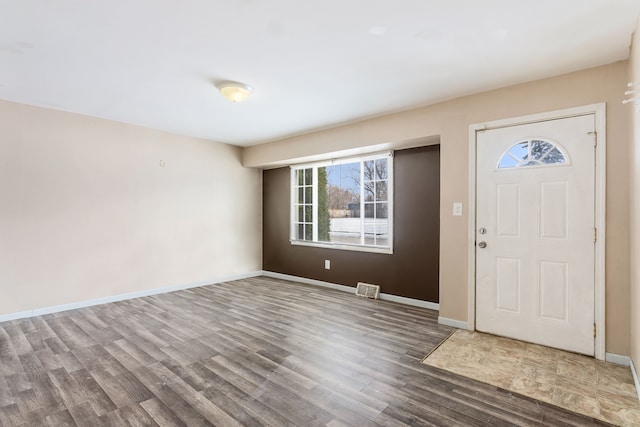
column 634, row 204
column 635, row 377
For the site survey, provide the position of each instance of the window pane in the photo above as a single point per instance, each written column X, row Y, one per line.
column 339, row 215
column 369, row 191
column 506, row 161
column 345, row 230
column 382, row 210
column 369, row 234
column 369, row 170
column 381, row 191
column 343, row 189
column 369, row 210
column 382, row 238
column 539, row 149
column 323, row 205
column 520, row 150
column 343, row 200
column 554, row 156
column 323, row 234
column 375, row 232
column 382, row 171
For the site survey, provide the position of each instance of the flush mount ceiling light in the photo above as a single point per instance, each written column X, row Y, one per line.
column 234, row 91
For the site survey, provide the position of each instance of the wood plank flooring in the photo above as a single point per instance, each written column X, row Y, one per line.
column 245, row 353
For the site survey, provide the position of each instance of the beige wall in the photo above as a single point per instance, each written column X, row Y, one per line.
column 634, row 120
column 450, row 120
column 87, row 212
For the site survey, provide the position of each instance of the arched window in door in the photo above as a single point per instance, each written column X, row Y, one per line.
column 533, row 152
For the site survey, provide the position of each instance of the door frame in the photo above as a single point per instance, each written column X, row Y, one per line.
column 599, row 110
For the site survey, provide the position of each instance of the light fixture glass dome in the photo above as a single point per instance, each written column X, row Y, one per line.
column 234, row 91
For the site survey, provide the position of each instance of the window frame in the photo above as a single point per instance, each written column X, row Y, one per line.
column 314, row 166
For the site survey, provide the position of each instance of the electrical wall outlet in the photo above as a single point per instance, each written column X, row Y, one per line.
column 327, row 264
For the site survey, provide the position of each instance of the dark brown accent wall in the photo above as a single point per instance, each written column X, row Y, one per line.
column 411, row 271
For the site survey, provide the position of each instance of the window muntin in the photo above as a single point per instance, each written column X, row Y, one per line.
column 532, row 152
column 345, row 204
column 303, row 204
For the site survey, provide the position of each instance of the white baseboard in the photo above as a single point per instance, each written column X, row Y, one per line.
column 453, row 323
column 382, row 296
column 635, row 377
column 306, row 281
column 410, row 301
column 121, row 297
column 617, row 359
column 156, row 291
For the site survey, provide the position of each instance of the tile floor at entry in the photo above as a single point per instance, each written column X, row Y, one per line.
column 578, row 383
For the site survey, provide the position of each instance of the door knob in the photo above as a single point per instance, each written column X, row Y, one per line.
column 482, row 245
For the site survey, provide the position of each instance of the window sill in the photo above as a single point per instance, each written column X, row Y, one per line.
column 343, row 247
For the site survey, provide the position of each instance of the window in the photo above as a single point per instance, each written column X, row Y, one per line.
column 344, row 204
column 535, row 152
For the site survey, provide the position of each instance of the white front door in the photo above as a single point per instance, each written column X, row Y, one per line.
column 535, row 232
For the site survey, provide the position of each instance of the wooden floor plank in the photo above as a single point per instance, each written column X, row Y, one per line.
column 62, row 419
column 250, row 352
column 160, row 413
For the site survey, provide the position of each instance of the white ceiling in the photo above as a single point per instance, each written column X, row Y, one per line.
column 313, row 64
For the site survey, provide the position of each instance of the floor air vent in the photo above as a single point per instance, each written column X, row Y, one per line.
column 367, row 290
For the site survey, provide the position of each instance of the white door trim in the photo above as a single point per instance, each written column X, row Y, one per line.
column 599, row 110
